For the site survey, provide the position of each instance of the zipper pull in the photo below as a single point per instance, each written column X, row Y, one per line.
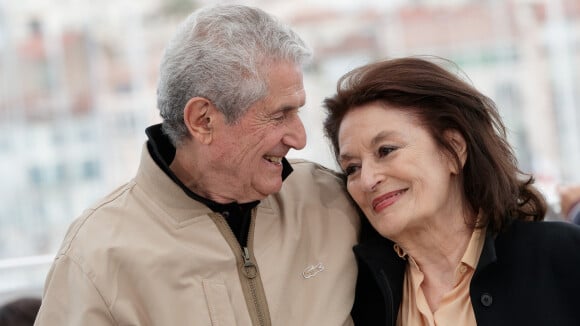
column 247, row 260
column 250, row 270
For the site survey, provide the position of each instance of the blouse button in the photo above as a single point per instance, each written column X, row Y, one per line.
column 486, row 299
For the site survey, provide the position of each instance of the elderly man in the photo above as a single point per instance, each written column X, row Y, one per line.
column 217, row 227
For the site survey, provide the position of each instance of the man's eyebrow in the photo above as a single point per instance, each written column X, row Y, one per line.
column 285, row 107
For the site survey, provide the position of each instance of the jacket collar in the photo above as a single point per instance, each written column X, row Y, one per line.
column 168, row 195
column 386, row 267
column 488, row 253
column 154, row 172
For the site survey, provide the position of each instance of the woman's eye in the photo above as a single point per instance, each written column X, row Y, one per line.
column 385, row 150
column 350, row 169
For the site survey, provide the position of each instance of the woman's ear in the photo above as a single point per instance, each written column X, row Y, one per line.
column 198, row 116
column 456, row 140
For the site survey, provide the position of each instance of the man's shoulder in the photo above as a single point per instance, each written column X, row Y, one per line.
column 308, row 170
column 313, row 182
column 92, row 225
column 315, row 190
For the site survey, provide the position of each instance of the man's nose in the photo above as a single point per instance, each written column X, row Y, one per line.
column 296, row 135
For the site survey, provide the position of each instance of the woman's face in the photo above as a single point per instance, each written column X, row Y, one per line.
column 396, row 173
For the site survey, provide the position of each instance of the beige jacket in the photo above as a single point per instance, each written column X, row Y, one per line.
column 148, row 254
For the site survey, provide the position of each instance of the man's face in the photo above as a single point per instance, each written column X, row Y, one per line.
column 247, row 155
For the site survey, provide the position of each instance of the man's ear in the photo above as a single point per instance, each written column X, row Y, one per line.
column 199, row 115
column 456, row 140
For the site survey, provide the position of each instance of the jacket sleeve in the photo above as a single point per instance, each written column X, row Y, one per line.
column 71, row 298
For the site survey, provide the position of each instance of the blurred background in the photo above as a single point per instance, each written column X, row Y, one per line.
column 78, row 82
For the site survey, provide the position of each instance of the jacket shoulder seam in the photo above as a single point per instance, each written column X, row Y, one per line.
column 89, row 213
column 86, row 275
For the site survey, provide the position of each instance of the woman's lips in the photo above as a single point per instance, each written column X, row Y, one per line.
column 386, row 200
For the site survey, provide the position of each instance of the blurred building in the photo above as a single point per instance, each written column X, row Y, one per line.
column 78, row 82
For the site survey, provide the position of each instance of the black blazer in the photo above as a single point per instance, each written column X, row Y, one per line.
column 528, row 275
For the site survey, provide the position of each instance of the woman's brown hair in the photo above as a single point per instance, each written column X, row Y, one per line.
column 442, row 101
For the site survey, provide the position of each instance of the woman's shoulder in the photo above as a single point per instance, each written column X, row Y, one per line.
column 545, row 228
column 546, row 235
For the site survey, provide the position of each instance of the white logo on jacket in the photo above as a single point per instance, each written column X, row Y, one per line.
column 312, row 270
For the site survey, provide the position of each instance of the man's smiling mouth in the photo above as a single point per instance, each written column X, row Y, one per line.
column 274, row 159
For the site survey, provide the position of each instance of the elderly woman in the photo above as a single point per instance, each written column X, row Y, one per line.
column 456, row 235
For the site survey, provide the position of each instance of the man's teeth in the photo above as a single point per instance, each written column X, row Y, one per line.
column 274, row 159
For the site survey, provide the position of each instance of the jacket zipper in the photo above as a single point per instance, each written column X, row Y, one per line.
column 247, row 270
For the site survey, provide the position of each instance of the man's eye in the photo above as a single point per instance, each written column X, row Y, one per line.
column 385, row 150
column 278, row 117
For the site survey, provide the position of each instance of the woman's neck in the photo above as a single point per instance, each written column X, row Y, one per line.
column 438, row 250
